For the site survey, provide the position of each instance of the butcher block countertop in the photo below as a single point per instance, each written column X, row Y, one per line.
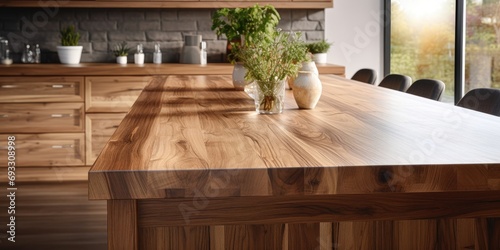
column 185, row 131
column 193, row 154
column 105, row 69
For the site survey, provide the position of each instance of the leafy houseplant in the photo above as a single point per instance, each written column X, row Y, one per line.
column 319, row 49
column 69, row 52
column 69, row 36
column 121, row 52
column 269, row 64
column 249, row 23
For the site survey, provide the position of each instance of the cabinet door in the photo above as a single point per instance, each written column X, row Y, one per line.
column 46, row 149
column 113, row 94
column 98, row 130
column 41, row 117
column 41, row 89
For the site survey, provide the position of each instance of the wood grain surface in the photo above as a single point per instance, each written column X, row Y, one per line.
column 368, row 168
column 113, row 69
column 195, row 135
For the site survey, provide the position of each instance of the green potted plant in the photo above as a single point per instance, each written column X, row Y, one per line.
column 121, row 52
column 69, row 51
column 318, row 50
column 244, row 25
column 269, row 64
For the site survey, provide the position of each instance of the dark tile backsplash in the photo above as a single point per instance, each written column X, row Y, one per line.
column 102, row 29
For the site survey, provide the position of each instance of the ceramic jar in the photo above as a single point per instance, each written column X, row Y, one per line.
column 307, row 89
column 319, row 58
column 239, row 72
column 306, row 66
column 121, row 60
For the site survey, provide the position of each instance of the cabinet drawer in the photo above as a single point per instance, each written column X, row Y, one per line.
column 98, row 130
column 113, row 94
column 46, row 149
column 41, row 117
column 41, row 89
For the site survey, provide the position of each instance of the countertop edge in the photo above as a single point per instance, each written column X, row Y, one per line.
column 104, row 69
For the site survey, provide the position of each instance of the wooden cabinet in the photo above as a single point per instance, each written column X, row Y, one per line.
column 46, row 116
column 284, row 4
column 98, row 130
column 41, row 117
column 113, row 93
column 51, row 149
column 108, row 99
column 41, row 89
column 62, row 116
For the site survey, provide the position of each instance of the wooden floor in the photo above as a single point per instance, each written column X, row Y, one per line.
column 55, row 216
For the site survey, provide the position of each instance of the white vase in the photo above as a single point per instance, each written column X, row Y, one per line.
column 69, row 54
column 121, row 60
column 309, row 66
column 239, row 72
column 306, row 66
column 319, row 58
column 307, row 89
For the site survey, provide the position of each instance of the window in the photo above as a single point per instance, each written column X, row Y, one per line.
column 421, row 43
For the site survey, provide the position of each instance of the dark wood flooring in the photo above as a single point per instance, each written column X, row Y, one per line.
column 55, row 216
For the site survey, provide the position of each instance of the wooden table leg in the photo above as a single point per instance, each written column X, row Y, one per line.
column 488, row 233
column 122, row 225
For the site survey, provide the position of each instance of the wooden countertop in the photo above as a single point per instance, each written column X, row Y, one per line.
column 195, row 135
column 105, row 69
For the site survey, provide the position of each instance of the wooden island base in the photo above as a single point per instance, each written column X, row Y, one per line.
column 239, row 223
column 192, row 166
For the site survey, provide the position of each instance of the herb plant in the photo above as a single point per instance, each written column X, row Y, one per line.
column 69, row 36
column 248, row 24
column 121, row 49
column 269, row 63
column 318, row 47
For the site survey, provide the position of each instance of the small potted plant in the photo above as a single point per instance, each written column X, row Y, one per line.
column 121, row 52
column 244, row 25
column 69, row 52
column 319, row 49
column 269, row 64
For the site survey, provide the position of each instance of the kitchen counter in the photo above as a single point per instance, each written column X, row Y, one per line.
column 192, row 166
column 105, row 69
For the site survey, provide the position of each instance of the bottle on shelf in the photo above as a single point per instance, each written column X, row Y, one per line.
column 27, row 56
column 4, row 51
column 157, row 54
column 38, row 54
column 139, row 55
column 203, row 53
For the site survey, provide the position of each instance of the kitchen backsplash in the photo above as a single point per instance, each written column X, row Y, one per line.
column 102, row 29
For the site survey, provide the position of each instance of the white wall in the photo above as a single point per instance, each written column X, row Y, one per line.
column 356, row 29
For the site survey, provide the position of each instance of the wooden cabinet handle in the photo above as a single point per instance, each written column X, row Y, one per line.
column 60, row 86
column 63, row 146
column 9, row 86
column 60, row 115
column 137, row 89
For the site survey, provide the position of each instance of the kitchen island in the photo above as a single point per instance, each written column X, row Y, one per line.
column 193, row 166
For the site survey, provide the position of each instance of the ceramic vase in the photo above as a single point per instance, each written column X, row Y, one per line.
column 121, row 60
column 307, row 90
column 319, row 58
column 239, row 72
column 306, row 66
column 270, row 97
column 69, row 54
